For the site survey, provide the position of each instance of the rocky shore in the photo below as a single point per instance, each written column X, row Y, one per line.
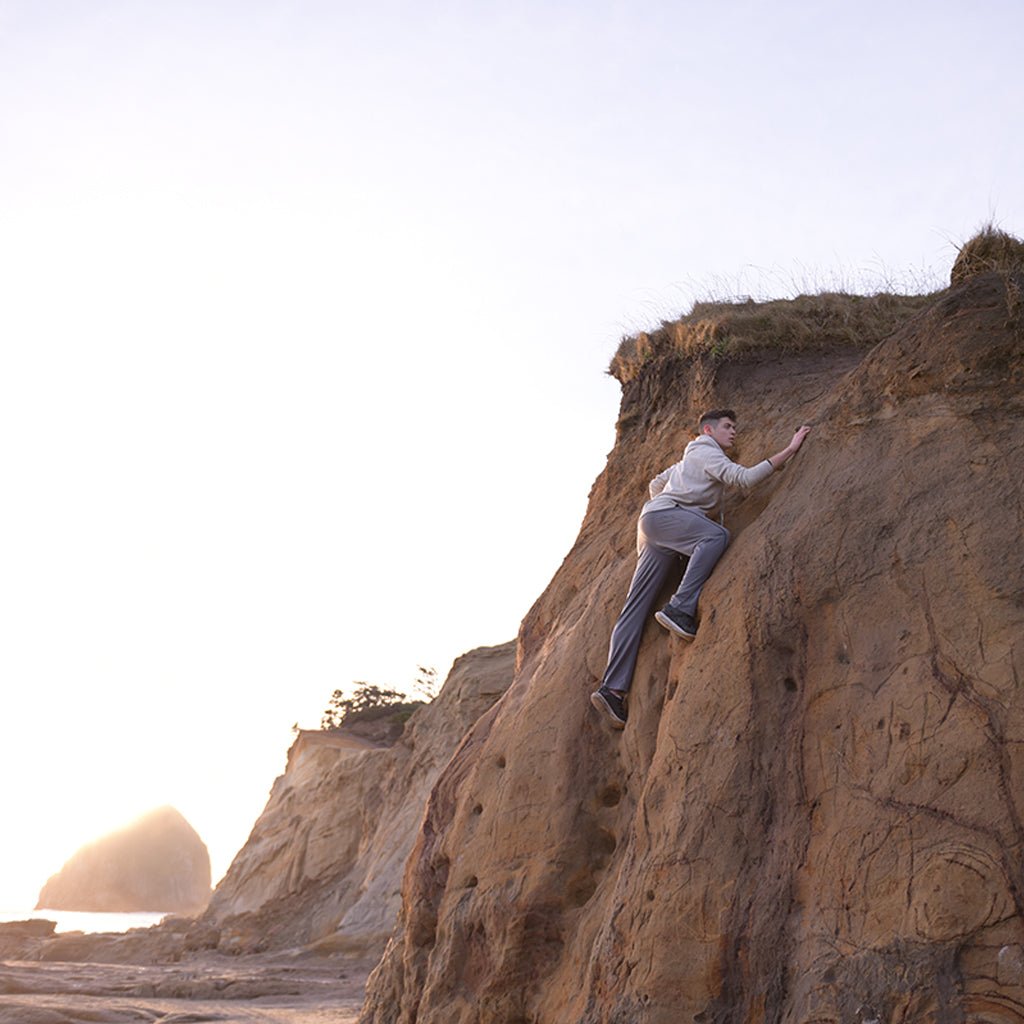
column 211, row 988
column 302, row 915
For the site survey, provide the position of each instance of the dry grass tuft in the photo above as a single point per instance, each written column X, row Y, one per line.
column 990, row 249
column 806, row 323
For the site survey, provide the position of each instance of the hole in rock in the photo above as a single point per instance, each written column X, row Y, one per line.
column 422, row 933
column 790, row 684
column 610, row 795
column 650, row 895
column 501, row 761
column 478, row 808
column 606, row 842
column 580, row 890
column 439, row 867
column 472, row 882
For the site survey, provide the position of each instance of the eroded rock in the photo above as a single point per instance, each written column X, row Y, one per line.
column 814, row 811
column 324, row 862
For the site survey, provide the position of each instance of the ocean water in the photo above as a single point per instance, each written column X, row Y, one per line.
column 80, row 921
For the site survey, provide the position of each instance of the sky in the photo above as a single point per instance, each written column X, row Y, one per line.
column 305, row 313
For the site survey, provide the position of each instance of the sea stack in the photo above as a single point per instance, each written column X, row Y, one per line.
column 157, row 863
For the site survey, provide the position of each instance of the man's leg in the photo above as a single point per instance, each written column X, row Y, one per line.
column 652, row 569
column 690, row 533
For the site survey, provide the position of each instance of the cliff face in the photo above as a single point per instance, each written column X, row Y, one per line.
column 156, row 863
column 324, row 861
column 814, row 813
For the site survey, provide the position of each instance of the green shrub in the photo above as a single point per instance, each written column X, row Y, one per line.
column 367, row 703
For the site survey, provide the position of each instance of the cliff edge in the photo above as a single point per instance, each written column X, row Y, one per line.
column 324, row 861
column 814, row 813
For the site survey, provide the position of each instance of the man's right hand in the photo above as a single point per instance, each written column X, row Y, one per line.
column 781, row 458
column 798, row 437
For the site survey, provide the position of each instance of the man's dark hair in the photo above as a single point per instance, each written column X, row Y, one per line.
column 714, row 415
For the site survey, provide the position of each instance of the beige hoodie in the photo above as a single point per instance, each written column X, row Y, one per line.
column 699, row 478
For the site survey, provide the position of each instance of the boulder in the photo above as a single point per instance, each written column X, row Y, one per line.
column 36, row 927
column 20, row 939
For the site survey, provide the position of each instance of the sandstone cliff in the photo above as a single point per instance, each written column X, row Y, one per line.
column 814, row 813
column 324, row 861
column 156, row 863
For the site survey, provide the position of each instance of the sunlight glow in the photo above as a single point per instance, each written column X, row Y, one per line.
column 305, row 320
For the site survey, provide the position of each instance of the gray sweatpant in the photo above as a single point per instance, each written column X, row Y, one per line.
column 662, row 536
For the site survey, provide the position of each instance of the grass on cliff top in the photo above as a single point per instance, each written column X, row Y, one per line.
column 806, row 323
column 990, row 249
column 827, row 320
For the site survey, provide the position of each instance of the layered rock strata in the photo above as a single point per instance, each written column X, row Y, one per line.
column 814, row 813
column 324, row 861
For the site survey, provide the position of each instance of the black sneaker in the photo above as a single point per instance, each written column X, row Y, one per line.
column 608, row 702
column 677, row 622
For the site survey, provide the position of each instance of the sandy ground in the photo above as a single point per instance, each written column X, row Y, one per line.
column 289, row 990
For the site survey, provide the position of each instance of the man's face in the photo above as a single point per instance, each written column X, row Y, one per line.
column 724, row 431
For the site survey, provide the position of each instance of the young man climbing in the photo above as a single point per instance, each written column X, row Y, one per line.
column 677, row 521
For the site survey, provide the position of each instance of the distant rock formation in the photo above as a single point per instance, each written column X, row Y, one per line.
column 815, row 810
column 324, row 861
column 157, row 863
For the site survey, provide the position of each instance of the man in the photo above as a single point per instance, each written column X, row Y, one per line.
column 677, row 521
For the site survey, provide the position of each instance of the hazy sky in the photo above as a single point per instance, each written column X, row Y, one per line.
column 305, row 310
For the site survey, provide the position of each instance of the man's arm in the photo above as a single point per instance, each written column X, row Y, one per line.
column 718, row 466
column 781, row 458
